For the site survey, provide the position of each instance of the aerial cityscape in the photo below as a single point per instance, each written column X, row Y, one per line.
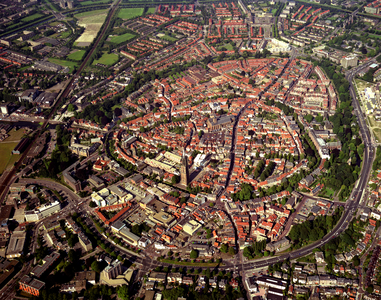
column 180, row 149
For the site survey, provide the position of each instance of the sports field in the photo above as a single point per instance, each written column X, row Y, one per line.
column 31, row 17
column 129, row 13
column 121, row 38
column 107, row 59
column 76, row 55
column 92, row 21
column 6, row 147
column 64, row 63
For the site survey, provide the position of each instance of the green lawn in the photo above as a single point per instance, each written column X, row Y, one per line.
column 228, row 47
column 6, row 147
column 90, row 2
column 31, row 17
column 151, row 10
column 76, row 55
column 169, row 38
column 122, row 38
column 91, row 13
column 65, row 34
column 129, row 13
column 107, row 59
column 64, row 63
column 51, row 6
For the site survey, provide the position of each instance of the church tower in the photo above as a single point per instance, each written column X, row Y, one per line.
column 184, row 171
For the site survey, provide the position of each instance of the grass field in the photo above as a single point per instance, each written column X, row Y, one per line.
column 168, row 38
column 228, row 47
column 84, row 3
column 31, row 17
column 151, row 10
column 6, row 147
column 92, row 21
column 64, row 63
column 51, row 6
column 107, row 59
column 121, row 38
column 129, row 13
column 65, row 34
column 77, row 55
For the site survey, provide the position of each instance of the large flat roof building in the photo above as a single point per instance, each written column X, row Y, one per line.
column 31, row 286
column 48, row 261
column 16, row 244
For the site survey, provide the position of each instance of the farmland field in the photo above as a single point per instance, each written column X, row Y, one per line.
column 107, row 59
column 92, row 21
column 77, row 55
column 63, row 63
column 121, row 38
column 31, row 17
column 129, row 13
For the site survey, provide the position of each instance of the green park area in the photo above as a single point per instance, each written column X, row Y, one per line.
column 130, row 13
column 107, row 59
column 7, row 159
column 77, row 55
column 31, row 17
column 64, row 63
column 121, row 38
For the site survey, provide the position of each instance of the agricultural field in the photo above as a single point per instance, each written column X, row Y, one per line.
column 76, row 55
column 95, row 2
column 31, row 17
column 107, row 59
column 6, row 147
column 92, row 21
column 64, row 63
column 130, row 13
column 121, row 38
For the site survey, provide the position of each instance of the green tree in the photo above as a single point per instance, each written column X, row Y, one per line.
column 71, row 107
column 194, row 254
column 95, row 266
column 175, row 179
column 224, row 248
column 123, row 292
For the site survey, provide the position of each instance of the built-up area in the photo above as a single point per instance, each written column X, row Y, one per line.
column 176, row 150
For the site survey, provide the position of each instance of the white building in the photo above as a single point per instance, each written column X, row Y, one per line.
column 42, row 211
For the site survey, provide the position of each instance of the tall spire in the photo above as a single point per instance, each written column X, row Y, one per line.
column 184, row 171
